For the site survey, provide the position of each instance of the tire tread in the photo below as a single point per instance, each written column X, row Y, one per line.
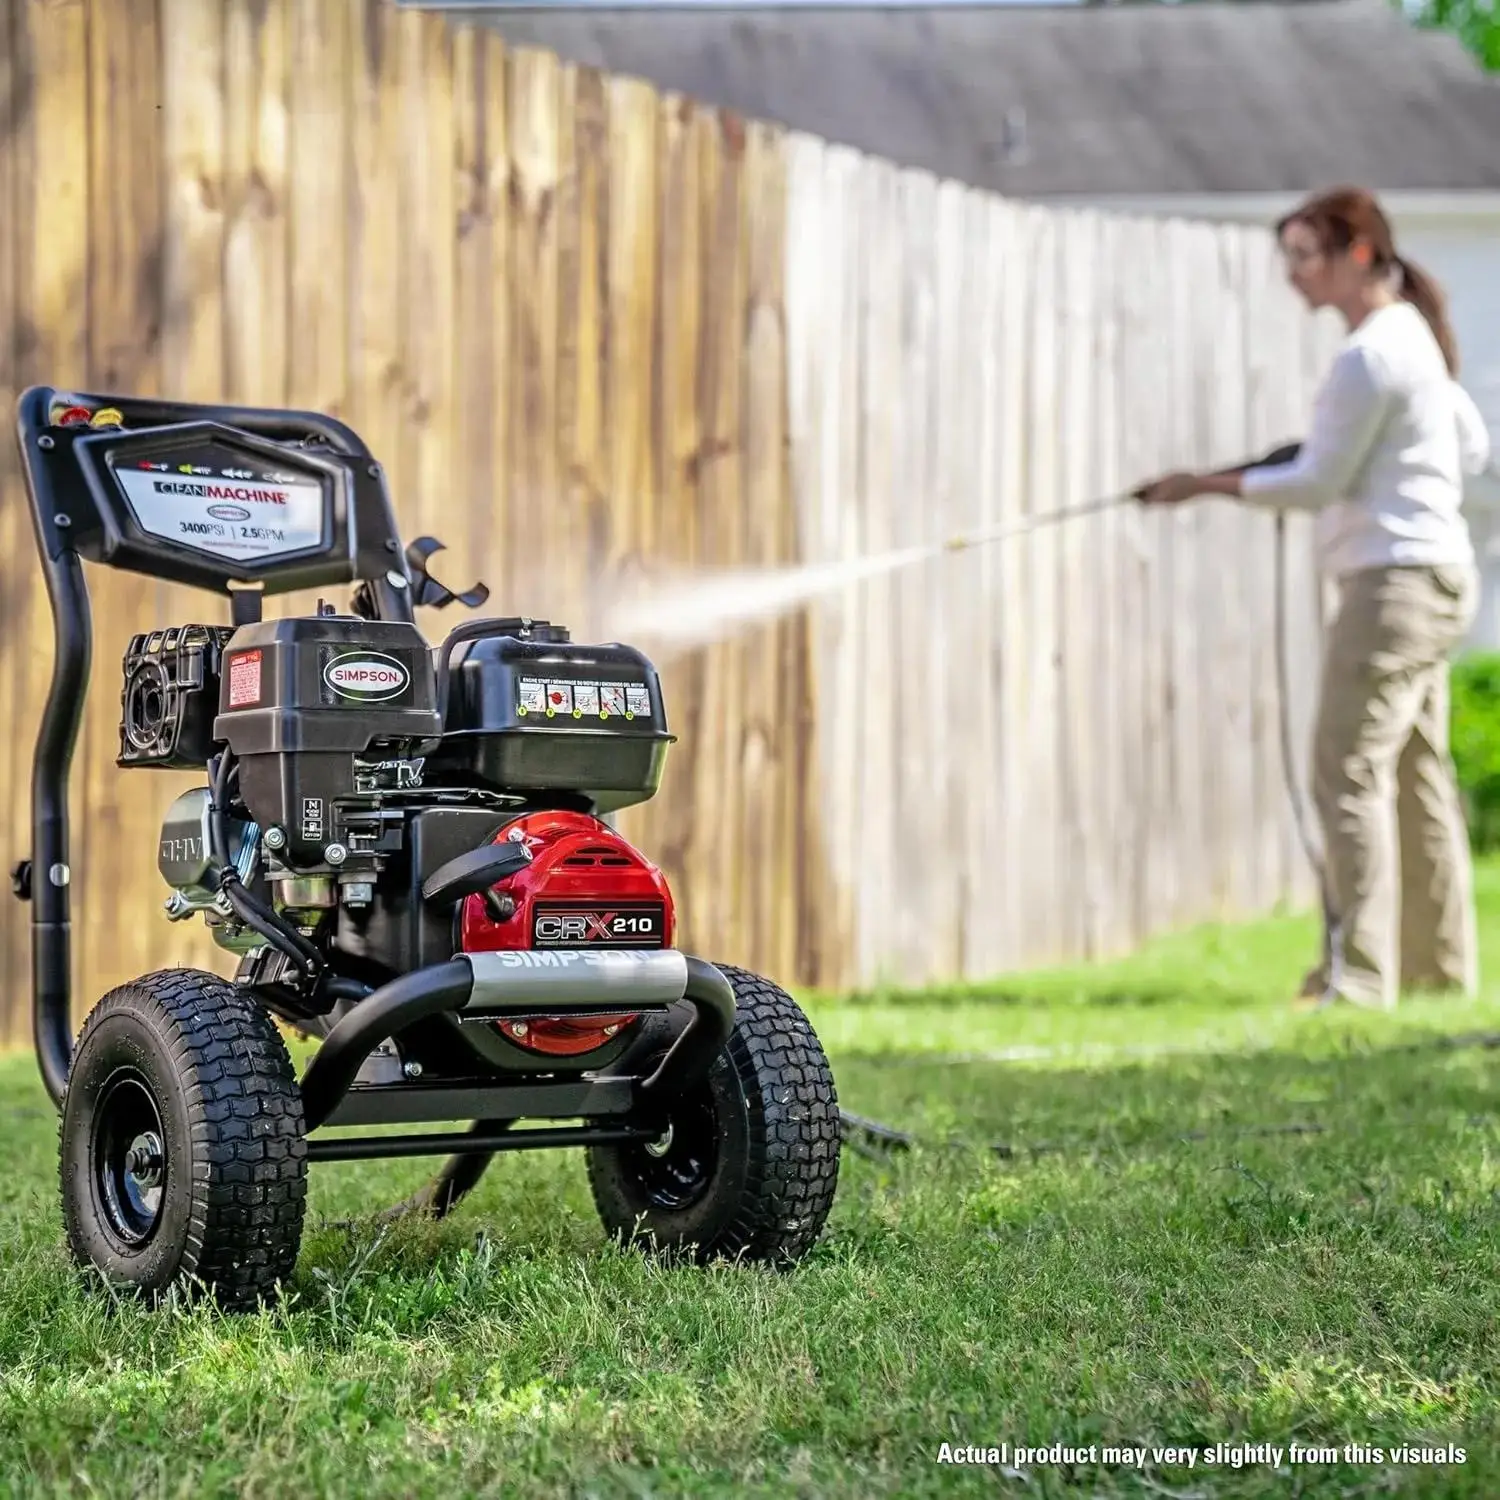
column 244, row 1109
column 795, row 1133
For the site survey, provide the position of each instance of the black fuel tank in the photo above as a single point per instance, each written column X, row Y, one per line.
column 536, row 712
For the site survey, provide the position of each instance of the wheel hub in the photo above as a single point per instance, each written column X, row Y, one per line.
column 675, row 1169
column 129, row 1157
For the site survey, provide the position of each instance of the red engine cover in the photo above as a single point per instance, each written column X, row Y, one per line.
column 585, row 887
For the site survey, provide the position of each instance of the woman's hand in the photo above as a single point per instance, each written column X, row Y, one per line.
column 1170, row 489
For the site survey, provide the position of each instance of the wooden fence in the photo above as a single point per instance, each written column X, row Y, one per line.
column 588, row 328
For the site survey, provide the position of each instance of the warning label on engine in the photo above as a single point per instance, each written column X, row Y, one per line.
column 582, row 700
column 210, row 511
column 244, row 679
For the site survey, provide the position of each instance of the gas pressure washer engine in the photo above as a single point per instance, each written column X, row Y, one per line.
column 406, row 848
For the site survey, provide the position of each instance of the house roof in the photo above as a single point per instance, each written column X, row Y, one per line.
column 1034, row 100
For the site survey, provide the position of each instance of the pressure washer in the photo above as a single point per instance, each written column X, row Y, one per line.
column 406, row 849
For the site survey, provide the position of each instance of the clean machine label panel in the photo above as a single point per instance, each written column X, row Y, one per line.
column 225, row 512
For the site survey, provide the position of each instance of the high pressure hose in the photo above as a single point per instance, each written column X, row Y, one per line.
column 1311, row 847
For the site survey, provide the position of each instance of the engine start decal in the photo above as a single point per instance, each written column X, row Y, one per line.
column 580, row 700
column 367, row 676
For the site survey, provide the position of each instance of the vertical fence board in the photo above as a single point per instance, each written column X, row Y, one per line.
column 470, row 494
column 770, row 730
column 1041, row 549
column 972, row 785
column 53, row 305
column 920, row 694
column 373, row 50
column 257, row 182
column 534, row 81
column 1078, row 896
column 1268, row 796
column 584, row 294
column 1150, row 375
column 947, row 584
column 677, row 441
column 718, row 463
column 429, row 309
column 1114, row 703
column 318, row 142
column 1011, row 266
column 125, row 317
column 631, row 240
column 17, row 548
column 988, row 919
column 879, row 885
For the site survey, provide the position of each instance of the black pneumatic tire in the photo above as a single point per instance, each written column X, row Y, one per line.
column 183, row 1061
column 753, row 1162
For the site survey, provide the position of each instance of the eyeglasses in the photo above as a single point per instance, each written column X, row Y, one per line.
column 1299, row 255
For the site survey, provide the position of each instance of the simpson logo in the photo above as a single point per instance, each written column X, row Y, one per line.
column 365, row 675
column 229, row 512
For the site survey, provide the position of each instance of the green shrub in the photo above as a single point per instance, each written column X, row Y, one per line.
column 1476, row 743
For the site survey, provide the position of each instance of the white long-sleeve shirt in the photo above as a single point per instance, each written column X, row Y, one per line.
column 1383, row 465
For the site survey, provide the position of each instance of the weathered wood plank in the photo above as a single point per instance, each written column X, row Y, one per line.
column 18, row 570
column 583, row 309
column 377, row 380
column 718, row 469
column 667, row 517
column 774, row 893
column 1012, row 268
column 533, row 144
column 53, row 299
column 1079, row 895
column 257, row 170
column 126, row 230
column 319, row 105
column 429, row 309
column 1046, row 891
column 1115, row 700
column 921, row 727
column 631, row 186
column 476, row 296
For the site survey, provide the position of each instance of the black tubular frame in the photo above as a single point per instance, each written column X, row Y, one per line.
column 331, row 1074
column 61, row 544
column 473, row 1143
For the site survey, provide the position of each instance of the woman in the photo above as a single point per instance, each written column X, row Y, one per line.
column 1392, row 437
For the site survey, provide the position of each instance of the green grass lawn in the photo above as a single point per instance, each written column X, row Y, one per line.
column 1212, row 1221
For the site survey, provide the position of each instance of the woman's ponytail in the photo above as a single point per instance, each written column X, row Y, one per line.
column 1418, row 288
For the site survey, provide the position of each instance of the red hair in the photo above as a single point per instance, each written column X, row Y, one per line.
column 1343, row 215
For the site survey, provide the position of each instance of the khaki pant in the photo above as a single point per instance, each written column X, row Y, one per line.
column 1380, row 748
